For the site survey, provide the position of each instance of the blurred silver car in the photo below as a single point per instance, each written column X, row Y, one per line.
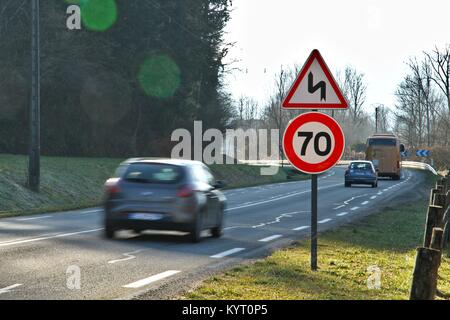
column 167, row 194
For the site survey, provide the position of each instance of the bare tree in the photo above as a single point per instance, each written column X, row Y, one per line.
column 354, row 89
column 440, row 62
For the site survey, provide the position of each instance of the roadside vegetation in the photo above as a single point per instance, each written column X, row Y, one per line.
column 74, row 183
column 387, row 241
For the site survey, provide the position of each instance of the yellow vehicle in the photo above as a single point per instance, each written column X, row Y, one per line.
column 384, row 152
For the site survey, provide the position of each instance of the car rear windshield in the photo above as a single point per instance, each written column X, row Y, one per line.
column 382, row 142
column 361, row 166
column 153, row 173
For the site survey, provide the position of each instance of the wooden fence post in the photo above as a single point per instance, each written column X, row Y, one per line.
column 434, row 219
column 432, row 193
column 425, row 274
column 436, row 239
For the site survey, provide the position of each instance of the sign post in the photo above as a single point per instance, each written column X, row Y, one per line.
column 314, row 142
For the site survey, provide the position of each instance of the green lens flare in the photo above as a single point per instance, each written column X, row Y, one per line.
column 159, row 76
column 98, row 15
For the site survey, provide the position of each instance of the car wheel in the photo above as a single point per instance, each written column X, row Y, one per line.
column 374, row 185
column 217, row 231
column 196, row 232
column 109, row 231
column 348, row 185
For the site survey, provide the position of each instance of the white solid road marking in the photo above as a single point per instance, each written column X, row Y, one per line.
column 324, row 221
column 340, row 207
column 34, row 218
column 227, row 253
column 128, row 255
column 279, row 198
column 151, row 279
column 8, row 289
column 92, row 211
column 365, row 202
column 354, row 208
column 6, row 244
column 271, row 238
column 301, row 228
column 342, row 214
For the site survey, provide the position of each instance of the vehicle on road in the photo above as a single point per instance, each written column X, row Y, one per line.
column 383, row 150
column 175, row 195
column 361, row 172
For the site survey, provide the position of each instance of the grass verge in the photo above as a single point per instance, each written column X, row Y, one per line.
column 75, row 183
column 387, row 241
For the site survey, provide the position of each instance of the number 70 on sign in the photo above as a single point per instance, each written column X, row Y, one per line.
column 313, row 142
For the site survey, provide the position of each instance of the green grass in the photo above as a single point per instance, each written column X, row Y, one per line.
column 387, row 240
column 66, row 183
column 74, row 183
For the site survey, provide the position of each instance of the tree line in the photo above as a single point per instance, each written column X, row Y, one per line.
column 118, row 91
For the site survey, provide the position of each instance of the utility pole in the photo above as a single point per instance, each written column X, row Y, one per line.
column 35, row 144
column 376, row 119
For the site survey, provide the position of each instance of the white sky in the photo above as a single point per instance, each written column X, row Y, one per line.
column 374, row 36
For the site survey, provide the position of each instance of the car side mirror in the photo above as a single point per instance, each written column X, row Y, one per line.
column 219, row 184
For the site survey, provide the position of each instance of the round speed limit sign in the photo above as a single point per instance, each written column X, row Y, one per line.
column 313, row 142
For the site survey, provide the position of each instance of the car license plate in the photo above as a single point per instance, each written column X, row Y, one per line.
column 146, row 216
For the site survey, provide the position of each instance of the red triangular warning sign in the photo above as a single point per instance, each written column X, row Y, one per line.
column 315, row 87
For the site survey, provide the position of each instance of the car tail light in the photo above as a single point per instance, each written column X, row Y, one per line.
column 185, row 191
column 112, row 186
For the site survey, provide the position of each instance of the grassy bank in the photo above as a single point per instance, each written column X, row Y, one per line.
column 73, row 183
column 387, row 240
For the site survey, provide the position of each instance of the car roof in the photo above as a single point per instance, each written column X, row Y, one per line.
column 361, row 161
column 176, row 162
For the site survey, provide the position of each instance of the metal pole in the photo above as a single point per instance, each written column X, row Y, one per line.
column 34, row 156
column 376, row 119
column 314, row 222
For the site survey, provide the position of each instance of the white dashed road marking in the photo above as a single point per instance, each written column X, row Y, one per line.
column 147, row 281
column 373, row 197
column 227, row 253
column 271, row 238
column 324, row 221
column 365, row 202
column 354, row 208
column 342, row 214
column 301, row 228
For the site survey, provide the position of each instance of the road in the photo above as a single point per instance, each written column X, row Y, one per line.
column 39, row 255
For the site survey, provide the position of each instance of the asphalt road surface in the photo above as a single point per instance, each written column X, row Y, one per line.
column 41, row 255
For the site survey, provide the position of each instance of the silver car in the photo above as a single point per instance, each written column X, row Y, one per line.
column 165, row 194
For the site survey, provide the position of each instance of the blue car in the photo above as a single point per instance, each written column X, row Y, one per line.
column 361, row 172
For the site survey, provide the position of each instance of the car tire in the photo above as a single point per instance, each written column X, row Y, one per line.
column 196, row 232
column 348, row 185
column 217, row 231
column 374, row 185
column 110, row 231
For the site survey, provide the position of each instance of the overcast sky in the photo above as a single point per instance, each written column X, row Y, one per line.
column 374, row 36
